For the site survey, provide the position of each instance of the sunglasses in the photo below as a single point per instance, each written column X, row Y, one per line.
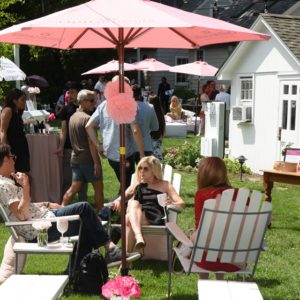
column 14, row 157
column 143, row 168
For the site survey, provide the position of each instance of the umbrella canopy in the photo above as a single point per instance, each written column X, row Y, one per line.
column 37, row 80
column 111, row 66
column 152, row 65
column 198, row 68
column 120, row 24
column 146, row 24
column 10, row 71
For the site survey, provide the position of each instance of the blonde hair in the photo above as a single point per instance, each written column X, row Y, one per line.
column 212, row 172
column 154, row 165
column 175, row 98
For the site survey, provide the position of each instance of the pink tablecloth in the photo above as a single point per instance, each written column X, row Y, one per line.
column 45, row 168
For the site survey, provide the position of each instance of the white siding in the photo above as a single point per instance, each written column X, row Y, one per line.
column 258, row 141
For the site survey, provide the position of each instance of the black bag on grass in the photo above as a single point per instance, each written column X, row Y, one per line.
column 91, row 275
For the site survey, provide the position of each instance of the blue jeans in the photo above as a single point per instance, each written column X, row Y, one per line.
column 92, row 235
column 129, row 169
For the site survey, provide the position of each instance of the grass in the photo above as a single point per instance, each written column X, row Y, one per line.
column 277, row 274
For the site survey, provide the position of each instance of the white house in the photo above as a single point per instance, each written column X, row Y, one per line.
column 265, row 92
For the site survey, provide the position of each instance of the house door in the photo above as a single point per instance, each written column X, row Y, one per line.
column 289, row 112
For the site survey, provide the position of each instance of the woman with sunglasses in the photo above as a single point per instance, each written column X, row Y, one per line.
column 12, row 131
column 142, row 201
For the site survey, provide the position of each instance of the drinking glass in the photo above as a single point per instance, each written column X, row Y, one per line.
column 162, row 201
column 62, row 226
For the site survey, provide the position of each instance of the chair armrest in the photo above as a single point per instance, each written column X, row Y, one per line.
column 30, row 222
column 179, row 234
column 174, row 208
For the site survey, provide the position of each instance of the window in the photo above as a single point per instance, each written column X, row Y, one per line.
column 289, row 107
column 180, row 78
column 284, row 114
column 246, row 86
column 200, row 55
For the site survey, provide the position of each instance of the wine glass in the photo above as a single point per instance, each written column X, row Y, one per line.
column 62, row 226
column 162, row 201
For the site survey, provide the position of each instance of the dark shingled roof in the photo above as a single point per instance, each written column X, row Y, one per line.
column 241, row 12
column 287, row 28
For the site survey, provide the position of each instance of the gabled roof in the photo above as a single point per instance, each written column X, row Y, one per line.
column 239, row 12
column 245, row 12
column 287, row 28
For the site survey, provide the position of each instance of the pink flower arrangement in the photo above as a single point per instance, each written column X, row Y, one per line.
column 124, row 286
column 41, row 225
column 52, row 117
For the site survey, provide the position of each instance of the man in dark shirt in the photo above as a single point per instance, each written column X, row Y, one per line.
column 161, row 93
column 65, row 147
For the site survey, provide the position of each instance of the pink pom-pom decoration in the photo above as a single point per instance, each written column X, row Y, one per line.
column 121, row 107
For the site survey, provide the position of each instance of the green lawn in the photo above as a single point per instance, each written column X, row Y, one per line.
column 277, row 274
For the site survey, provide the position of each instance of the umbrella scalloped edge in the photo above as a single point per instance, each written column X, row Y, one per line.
column 121, row 107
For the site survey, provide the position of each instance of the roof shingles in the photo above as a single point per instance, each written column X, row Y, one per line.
column 287, row 28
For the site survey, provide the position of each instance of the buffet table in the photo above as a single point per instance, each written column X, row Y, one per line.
column 45, row 167
column 271, row 176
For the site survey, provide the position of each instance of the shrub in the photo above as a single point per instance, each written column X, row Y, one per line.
column 184, row 93
column 234, row 167
column 185, row 155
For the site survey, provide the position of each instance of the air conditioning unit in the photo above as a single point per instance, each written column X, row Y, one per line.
column 242, row 113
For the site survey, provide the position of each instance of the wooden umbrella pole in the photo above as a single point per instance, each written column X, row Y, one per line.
column 197, row 103
column 124, row 269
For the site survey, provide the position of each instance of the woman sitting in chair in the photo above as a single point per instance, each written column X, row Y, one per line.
column 212, row 180
column 175, row 109
column 142, row 206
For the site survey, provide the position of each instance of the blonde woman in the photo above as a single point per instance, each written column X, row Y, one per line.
column 142, row 205
column 175, row 108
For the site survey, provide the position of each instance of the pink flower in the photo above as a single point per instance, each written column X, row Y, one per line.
column 52, row 117
column 125, row 286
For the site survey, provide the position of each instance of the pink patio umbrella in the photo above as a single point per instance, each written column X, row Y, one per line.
column 125, row 24
column 152, row 65
column 198, row 68
column 111, row 66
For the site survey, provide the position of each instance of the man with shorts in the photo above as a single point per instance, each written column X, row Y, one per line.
column 85, row 161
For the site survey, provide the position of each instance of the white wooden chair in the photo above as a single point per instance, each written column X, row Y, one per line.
column 157, row 235
column 228, row 230
column 23, row 248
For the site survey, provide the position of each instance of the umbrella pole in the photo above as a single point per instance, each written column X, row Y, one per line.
column 197, row 102
column 120, row 48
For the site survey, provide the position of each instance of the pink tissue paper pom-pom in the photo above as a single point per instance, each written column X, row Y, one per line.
column 112, row 89
column 122, row 108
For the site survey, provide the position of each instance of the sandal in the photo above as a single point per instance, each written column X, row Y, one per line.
column 140, row 243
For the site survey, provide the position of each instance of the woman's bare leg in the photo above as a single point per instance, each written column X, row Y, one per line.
column 136, row 218
column 130, row 236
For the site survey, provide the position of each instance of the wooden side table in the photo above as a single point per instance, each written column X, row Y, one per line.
column 271, row 176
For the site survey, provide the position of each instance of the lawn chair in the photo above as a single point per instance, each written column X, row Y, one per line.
column 22, row 248
column 228, row 230
column 157, row 235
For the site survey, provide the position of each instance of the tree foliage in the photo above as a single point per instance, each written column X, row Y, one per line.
column 55, row 65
